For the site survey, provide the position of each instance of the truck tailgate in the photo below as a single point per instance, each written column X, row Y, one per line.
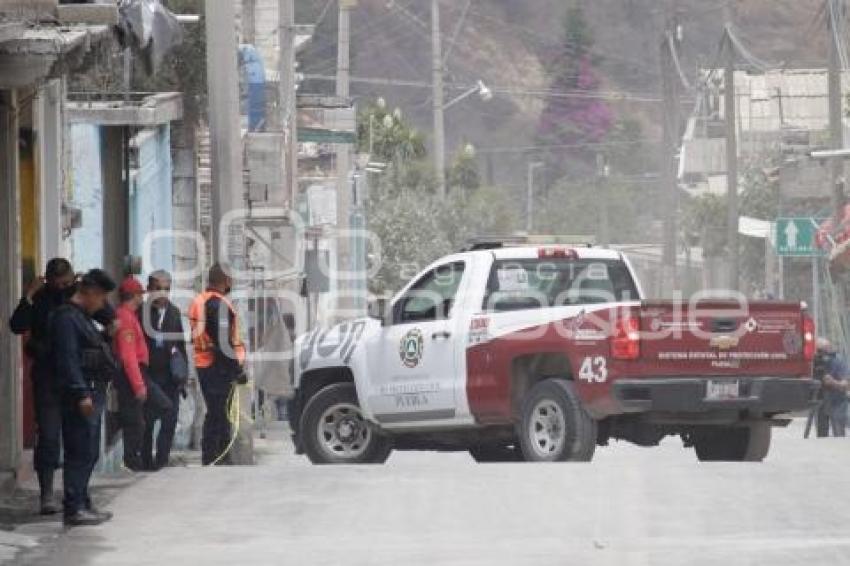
column 718, row 338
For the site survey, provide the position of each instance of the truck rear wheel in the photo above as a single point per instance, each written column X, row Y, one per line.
column 334, row 431
column 554, row 427
column 749, row 443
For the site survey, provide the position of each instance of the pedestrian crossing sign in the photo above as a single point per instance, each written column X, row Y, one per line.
column 797, row 237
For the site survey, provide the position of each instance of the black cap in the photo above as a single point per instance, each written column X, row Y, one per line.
column 98, row 279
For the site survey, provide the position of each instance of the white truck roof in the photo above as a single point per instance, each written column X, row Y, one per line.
column 533, row 252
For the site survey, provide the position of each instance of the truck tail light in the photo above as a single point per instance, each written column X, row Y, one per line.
column 808, row 338
column 625, row 344
column 557, row 253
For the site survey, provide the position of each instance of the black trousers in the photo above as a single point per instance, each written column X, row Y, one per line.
column 167, row 426
column 131, row 417
column 48, row 420
column 81, row 439
column 216, row 388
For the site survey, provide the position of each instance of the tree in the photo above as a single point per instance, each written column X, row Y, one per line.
column 184, row 68
column 575, row 208
column 464, row 177
column 411, row 236
column 572, row 120
column 706, row 220
column 387, row 135
column 414, row 225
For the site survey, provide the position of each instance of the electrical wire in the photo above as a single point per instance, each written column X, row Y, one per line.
column 544, row 147
column 536, row 36
column 323, row 13
column 502, row 89
column 458, row 28
column 835, row 24
column 674, row 53
column 742, row 50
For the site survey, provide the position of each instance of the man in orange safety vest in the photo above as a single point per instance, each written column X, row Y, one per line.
column 219, row 355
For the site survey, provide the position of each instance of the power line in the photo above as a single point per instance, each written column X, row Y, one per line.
column 678, row 63
column 514, row 90
column 536, row 36
column 324, row 13
column 544, row 147
column 744, row 52
column 458, row 28
column 835, row 18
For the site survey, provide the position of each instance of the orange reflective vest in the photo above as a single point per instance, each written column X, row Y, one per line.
column 201, row 341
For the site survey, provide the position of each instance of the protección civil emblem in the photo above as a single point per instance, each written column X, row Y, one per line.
column 410, row 349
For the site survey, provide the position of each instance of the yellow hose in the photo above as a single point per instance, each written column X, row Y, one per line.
column 233, row 414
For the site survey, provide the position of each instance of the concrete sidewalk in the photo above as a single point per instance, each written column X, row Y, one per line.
column 22, row 529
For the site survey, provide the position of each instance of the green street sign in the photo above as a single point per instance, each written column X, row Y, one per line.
column 796, row 237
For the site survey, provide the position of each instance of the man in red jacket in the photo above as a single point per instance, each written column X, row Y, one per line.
column 132, row 350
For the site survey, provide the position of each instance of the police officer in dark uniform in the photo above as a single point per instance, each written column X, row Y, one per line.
column 84, row 365
column 31, row 316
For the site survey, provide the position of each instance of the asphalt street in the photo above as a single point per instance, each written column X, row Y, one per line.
column 631, row 506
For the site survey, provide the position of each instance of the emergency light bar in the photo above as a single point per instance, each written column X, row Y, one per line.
column 523, row 240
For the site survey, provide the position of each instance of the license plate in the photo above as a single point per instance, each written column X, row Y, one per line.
column 722, row 390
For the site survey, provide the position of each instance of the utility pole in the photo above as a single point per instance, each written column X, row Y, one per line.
column 529, row 221
column 836, row 128
column 439, row 99
column 731, row 158
column 288, row 98
column 225, row 122
column 672, row 129
column 343, row 166
column 602, row 176
column 226, row 164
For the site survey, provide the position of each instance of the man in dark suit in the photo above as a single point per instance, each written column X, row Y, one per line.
column 163, row 327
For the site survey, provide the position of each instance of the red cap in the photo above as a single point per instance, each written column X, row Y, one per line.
column 131, row 286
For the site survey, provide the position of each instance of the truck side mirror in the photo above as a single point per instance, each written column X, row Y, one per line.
column 378, row 310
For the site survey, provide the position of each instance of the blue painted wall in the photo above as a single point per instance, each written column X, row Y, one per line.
column 151, row 199
column 87, row 242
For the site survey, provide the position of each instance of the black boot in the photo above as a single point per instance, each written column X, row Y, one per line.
column 105, row 515
column 84, row 518
column 45, row 483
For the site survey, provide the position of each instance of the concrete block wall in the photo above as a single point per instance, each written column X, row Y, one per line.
column 28, row 9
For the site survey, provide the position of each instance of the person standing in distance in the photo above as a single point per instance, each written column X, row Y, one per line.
column 832, row 371
column 32, row 315
column 164, row 332
column 83, row 364
column 219, row 357
column 132, row 350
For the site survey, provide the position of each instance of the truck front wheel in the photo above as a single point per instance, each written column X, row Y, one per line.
column 554, row 427
column 749, row 443
column 334, row 431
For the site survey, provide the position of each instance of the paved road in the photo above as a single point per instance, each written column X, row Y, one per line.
column 630, row 507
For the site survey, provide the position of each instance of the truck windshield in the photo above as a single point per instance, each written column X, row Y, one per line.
column 534, row 283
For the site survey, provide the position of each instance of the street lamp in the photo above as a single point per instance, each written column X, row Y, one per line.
column 480, row 89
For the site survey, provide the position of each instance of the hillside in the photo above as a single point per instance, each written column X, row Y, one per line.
column 506, row 43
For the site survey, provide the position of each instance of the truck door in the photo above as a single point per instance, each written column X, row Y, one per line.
column 414, row 374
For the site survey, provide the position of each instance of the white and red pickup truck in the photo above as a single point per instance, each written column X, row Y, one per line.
column 543, row 353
